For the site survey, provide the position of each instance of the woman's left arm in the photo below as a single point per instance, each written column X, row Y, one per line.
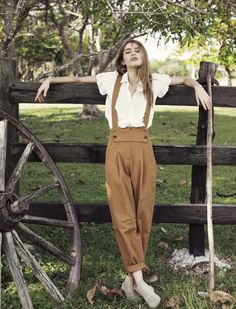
column 202, row 96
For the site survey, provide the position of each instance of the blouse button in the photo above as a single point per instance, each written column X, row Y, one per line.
column 145, row 136
column 114, row 136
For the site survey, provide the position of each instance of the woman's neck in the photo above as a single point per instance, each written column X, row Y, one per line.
column 133, row 76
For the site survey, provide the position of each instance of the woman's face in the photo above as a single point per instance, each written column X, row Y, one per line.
column 132, row 55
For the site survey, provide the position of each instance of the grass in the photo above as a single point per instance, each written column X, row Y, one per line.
column 101, row 259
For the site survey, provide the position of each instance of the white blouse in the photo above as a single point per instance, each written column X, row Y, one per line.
column 130, row 109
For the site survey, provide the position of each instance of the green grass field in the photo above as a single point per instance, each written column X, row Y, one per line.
column 101, row 260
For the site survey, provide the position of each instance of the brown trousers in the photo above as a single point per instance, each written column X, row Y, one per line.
column 130, row 170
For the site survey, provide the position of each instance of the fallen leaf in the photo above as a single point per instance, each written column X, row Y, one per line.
column 104, row 290
column 90, row 294
column 178, row 238
column 116, row 292
column 152, row 279
column 110, row 293
column 222, row 297
column 174, row 302
column 164, row 230
column 182, row 182
column 80, row 182
column 203, row 294
column 160, row 181
column 165, row 246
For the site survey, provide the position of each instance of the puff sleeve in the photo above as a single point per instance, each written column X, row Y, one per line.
column 105, row 82
column 160, row 84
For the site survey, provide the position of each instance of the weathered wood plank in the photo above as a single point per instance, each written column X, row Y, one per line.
column 8, row 73
column 3, row 152
column 10, row 251
column 89, row 94
column 164, row 154
column 177, row 213
column 30, row 260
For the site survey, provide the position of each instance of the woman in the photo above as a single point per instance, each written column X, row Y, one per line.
column 130, row 166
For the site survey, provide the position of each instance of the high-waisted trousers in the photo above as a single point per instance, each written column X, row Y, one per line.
column 130, row 170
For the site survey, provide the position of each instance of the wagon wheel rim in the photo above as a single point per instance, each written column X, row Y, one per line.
column 16, row 207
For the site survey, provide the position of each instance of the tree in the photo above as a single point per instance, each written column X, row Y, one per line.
column 84, row 35
column 194, row 23
column 13, row 15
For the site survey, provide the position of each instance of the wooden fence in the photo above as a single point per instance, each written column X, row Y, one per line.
column 12, row 93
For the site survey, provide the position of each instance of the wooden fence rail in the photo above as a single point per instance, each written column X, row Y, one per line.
column 89, row 94
column 195, row 155
column 164, row 154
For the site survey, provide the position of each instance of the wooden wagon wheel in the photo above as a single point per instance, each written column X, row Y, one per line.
column 15, row 223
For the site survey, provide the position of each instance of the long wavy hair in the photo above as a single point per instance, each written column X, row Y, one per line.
column 144, row 72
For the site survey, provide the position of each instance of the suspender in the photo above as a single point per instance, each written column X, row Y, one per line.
column 114, row 99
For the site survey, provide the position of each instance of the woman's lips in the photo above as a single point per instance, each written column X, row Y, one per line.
column 134, row 59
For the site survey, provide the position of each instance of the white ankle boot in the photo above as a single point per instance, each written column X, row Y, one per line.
column 148, row 293
column 128, row 287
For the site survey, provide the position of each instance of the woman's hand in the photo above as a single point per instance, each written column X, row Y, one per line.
column 202, row 97
column 42, row 91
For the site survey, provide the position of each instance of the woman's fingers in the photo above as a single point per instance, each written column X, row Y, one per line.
column 42, row 92
column 203, row 98
column 198, row 102
column 39, row 96
column 45, row 91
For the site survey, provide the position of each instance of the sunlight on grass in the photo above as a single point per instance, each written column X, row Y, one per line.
column 101, row 259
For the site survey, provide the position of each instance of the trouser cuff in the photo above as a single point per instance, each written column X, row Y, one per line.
column 139, row 266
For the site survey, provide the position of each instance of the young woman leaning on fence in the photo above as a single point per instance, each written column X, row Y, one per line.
column 130, row 166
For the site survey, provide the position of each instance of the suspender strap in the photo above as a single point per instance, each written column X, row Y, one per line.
column 114, row 99
column 146, row 115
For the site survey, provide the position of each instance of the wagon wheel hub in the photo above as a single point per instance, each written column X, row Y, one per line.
column 12, row 210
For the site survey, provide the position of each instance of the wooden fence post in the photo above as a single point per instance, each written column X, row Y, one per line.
column 198, row 185
column 8, row 73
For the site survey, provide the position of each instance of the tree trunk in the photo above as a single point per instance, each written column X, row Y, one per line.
column 229, row 72
column 90, row 111
column 9, row 50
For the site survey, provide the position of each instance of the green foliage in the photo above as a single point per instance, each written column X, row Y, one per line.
column 171, row 66
column 54, row 32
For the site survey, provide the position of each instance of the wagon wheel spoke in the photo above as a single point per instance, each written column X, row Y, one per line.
column 29, row 259
column 10, row 252
column 45, row 244
column 19, row 167
column 43, row 190
column 3, row 149
column 48, row 222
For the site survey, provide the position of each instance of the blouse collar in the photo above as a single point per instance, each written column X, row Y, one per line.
column 124, row 79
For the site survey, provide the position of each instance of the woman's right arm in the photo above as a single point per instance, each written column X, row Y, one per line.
column 43, row 89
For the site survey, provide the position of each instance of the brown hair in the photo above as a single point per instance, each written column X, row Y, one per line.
column 144, row 72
